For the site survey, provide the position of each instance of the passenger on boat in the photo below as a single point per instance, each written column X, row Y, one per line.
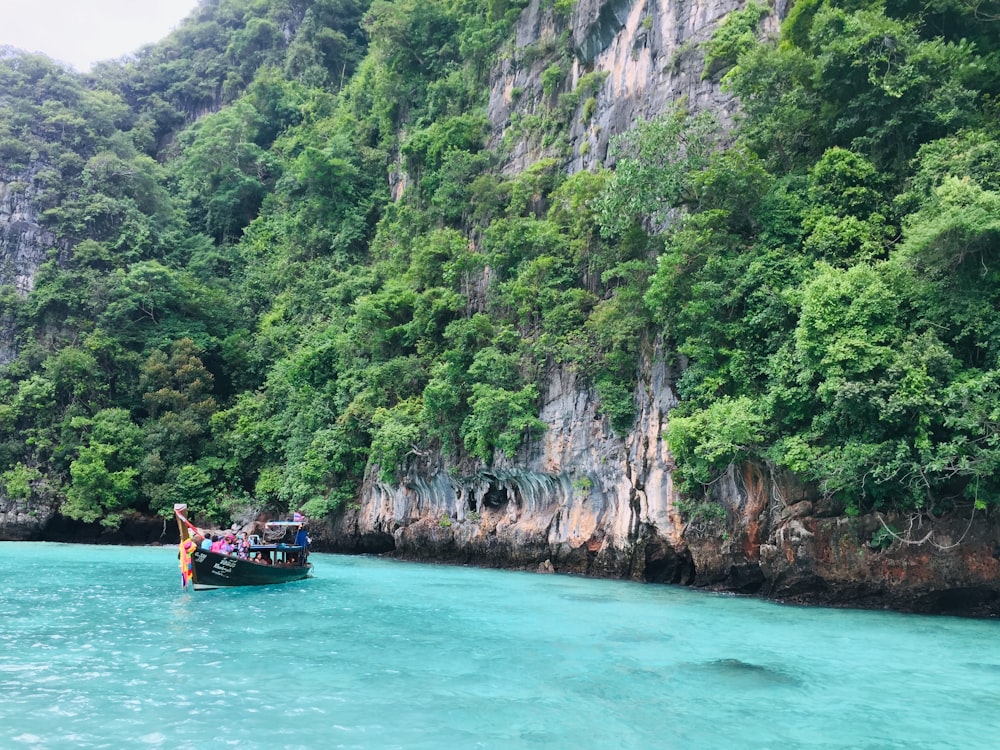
column 302, row 537
column 217, row 542
column 302, row 540
column 243, row 546
column 206, row 542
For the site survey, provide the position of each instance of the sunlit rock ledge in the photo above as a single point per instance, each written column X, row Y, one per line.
column 771, row 544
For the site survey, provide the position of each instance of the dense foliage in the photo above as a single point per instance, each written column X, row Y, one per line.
column 832, row 283
column 286, row 254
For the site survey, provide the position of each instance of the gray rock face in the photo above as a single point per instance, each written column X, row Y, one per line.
column 23, row 242
column 23, row 521
column 647, row 49
column 24, row 245
column 580, row 499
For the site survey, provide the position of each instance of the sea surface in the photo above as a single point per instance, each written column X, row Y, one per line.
column 101, row 648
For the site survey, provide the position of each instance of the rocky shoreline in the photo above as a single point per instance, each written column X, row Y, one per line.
column 801, row 559
column 814, row 561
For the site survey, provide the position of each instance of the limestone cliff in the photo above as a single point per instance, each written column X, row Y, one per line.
column 646, row 52
column 583, row 500
column 24, row 244
column 25, row 520
column 580, row 499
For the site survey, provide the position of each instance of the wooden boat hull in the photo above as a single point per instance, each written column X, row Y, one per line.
column 213, row 570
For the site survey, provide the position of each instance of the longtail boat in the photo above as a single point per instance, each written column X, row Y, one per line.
column 279, row 556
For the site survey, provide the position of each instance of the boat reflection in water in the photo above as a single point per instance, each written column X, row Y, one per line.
column 279, row 557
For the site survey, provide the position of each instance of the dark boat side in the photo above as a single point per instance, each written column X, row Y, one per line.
column 214, row 570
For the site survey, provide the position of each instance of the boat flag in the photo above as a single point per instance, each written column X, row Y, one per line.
column 178, row 508
column 296, row 516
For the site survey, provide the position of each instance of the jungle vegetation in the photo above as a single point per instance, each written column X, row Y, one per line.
column 240, row 309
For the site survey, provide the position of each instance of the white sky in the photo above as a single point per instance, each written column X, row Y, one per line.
column 82, row 32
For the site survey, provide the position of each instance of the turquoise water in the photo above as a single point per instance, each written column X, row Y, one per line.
column 100, row 648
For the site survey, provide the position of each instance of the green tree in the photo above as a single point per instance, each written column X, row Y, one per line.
column 177, row 396
column 500, row 420
column 653, row 166
column 105, row 475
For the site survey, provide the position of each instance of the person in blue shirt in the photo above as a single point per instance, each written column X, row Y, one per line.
column 302, row 540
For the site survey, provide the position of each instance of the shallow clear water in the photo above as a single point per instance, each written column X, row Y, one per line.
column 100, row 648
